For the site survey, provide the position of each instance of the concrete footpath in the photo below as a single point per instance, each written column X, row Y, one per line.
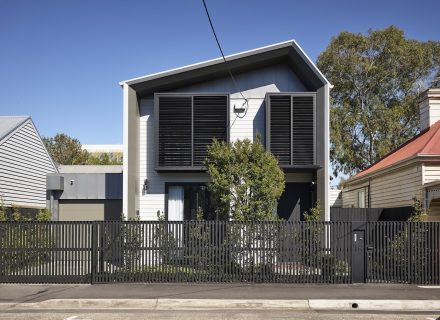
column 220, row 296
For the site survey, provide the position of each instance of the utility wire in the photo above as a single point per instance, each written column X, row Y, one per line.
column 221, row 51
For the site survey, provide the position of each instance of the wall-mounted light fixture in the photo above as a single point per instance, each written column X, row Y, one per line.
column 145, row 186
column 71, row 182
column 239, row 109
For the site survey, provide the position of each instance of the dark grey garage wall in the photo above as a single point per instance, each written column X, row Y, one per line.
column 91, row 186
column 85, row 188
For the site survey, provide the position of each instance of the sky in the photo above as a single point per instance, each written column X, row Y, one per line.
column 61, row 61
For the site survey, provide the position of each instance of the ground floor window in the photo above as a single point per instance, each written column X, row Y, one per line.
column 185, row 200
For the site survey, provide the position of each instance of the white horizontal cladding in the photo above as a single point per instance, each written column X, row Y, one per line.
column 431, row 173
column 335, row 198
column 248, row 122
column 24, row 164
column 397, row 188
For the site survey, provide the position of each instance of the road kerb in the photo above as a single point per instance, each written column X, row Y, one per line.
column 377, row 305
column 212, row 304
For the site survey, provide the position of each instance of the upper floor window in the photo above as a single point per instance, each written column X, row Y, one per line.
column 186, row 125
column 290, row 128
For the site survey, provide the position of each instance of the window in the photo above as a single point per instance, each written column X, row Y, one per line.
column 361, row 198
column 184, row 200
column 290, row 128
column 187, row 124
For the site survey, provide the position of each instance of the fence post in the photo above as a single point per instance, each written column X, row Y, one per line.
column 410, row 253
column 2, row 232
column 94, row 264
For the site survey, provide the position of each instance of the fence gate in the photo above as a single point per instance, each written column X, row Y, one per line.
column 45, row 252
column 358, row 256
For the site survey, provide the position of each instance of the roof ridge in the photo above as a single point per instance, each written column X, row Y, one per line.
column 6, row 133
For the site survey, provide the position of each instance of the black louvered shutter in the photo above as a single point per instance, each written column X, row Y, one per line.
column 175, row 131
column 302, row 130
column 210, row 120
column 280, row 128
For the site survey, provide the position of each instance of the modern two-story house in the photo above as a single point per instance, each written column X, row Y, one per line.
column 170, row 117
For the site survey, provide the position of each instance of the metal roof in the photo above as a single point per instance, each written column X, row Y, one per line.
column 288, row 51
column 424, row 144
column 9, row 124
column 90, row 169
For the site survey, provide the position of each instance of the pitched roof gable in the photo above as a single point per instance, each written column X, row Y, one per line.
column 9, row 124
column 289, row 52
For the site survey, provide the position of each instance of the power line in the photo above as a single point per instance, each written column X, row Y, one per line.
column 221, row 51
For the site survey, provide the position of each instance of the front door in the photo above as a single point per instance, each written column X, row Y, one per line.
column 296, row 199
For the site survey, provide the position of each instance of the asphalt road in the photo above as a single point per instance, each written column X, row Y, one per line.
column 220, row 314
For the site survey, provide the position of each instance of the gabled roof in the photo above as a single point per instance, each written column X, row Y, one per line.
column 8, row 124
column 427, row 143
column 11, row 124
column 289, row 52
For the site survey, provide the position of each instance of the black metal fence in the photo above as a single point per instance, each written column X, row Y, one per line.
column 403, row 252
column 216, row 251
column 370, row 214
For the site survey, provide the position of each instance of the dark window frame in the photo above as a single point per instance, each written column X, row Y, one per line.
column 156, row 128
column 313, row 165
column 179, row 184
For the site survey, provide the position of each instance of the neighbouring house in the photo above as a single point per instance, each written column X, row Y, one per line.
column 24, row 163
column 170, row 117
column 335, row 198
column 114, row 151
column 412, row 170
column 85, row 192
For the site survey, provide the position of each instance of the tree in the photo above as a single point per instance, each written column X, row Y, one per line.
column 246, row 181
column 102, row 159
column 377, row 79
column 66, row 150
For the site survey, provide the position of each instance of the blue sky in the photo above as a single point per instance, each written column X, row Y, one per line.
column 61, row 61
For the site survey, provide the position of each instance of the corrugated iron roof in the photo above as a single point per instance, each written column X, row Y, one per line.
column 9, row 124
column 425, row 143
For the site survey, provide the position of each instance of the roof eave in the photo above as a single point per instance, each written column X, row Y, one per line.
column 244, row 54
column 416, row 158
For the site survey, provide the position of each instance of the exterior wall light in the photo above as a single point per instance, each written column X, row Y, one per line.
column 145, row 186
column 239, row 109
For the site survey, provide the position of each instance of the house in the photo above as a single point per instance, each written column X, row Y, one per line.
column 170, row 117
column 85, row 192
column 412, row 170
column 24, row 163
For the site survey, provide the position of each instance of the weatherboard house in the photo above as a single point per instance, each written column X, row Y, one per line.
column 170, row 117
column 24, row 164
column 411, row 171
